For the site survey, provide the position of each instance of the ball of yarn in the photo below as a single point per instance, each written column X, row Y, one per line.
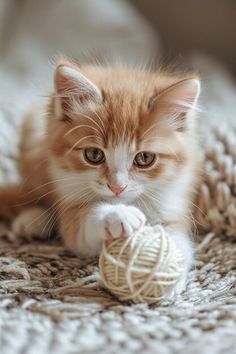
column 142, row 268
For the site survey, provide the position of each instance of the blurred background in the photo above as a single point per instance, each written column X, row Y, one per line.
column 188, row 25
column 33, row 33
column 188, row 33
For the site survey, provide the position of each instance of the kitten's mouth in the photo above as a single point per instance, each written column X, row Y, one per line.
column 126, row 196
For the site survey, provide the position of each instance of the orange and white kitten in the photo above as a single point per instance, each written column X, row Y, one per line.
column 118, row 148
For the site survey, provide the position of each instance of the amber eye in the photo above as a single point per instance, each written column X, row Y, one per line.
column 144, row 159
column 94, row 155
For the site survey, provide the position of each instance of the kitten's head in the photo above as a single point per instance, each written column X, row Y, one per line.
column 118, row 134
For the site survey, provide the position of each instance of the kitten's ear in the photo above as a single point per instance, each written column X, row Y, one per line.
column 177, row 103
column 75, row 92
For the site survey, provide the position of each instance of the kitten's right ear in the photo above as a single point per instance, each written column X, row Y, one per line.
column 74, row 92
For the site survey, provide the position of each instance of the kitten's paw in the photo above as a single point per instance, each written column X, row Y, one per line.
column 33, row 222
column 179, row 287
column 121, row 220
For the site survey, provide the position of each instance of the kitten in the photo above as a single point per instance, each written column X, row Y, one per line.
column 118, row 149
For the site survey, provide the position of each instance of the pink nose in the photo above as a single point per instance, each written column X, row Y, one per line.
column 116, row 188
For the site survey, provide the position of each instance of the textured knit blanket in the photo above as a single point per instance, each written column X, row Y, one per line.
column 52, row 302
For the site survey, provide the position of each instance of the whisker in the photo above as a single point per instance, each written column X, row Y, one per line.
column 54, row 205
column 54, row 216
column 190, row 218
column 101, row 121
column 144, row 203
column 196, row 206
column 92, row 120
column 149, row 129
column 36, row 199
column 67, row 206
column 76, row 183
column 50, row 182
column 79, row 141
column 151, row 195
column 81, row 126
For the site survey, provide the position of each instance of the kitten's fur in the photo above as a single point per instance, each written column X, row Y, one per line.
column 122, row 112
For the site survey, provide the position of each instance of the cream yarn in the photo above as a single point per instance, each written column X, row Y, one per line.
column 142, row 268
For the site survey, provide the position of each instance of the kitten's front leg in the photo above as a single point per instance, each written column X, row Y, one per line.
column 185, row 245
column 84, row 231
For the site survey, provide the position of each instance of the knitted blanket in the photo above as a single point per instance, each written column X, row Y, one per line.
column 53, row 302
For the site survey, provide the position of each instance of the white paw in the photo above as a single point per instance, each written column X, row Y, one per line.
column 33, row 222
column 179, row 287
column 120, row 220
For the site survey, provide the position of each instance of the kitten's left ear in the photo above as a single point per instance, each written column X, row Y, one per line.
column 177, row 103
column 75, row 92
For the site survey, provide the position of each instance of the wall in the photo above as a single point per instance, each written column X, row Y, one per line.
column 208, row 25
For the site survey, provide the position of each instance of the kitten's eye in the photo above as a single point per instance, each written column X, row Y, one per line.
column 144, row 159
column 94, row 155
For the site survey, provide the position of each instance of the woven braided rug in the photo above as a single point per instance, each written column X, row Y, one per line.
column 52, row 302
